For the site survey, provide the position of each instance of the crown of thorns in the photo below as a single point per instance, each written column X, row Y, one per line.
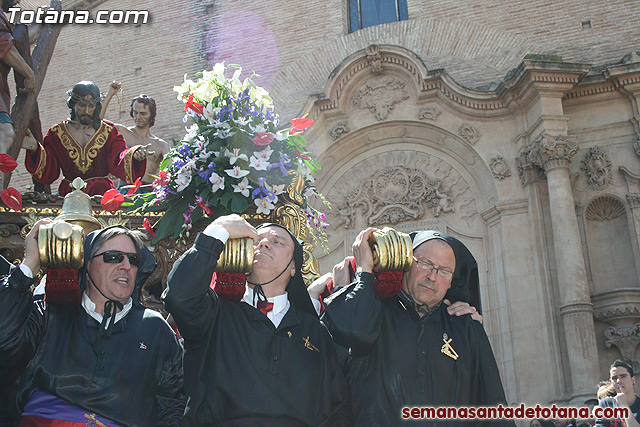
column 77, row 98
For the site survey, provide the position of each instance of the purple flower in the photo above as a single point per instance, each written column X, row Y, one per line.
column 184, row 150
column 178, row 164
column 284, row 161
column 205, row 174
column 251, row 110
column 263, row 190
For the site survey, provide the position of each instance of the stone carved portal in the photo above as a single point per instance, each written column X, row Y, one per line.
column 379, row 95
column 398, row 188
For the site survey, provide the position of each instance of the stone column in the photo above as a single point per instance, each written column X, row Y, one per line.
column 553, row 154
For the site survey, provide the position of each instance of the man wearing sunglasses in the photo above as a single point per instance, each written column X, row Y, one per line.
column 408, row 351
column 108, row 361
column 265, row 360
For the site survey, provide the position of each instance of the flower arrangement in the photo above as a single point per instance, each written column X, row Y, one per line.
column 234, row 156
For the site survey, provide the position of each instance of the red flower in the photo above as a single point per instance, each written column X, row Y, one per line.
column 7, row 163
column 133, row 188
column 302, row 123
column 147, row 226
column 193, row 105
column 162, row 180
column 263, row 138
column 11, row 198
column 302, row 156
column 112, row 200
column 204, row 207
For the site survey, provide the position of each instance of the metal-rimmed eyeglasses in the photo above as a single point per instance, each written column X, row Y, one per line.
column 445, row 274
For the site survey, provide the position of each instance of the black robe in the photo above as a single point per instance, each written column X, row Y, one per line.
column 240, row 370
column 396, row 359
column 133, row 377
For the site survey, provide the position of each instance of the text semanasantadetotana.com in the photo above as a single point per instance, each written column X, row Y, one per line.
column 508, row 412
column 51, row 16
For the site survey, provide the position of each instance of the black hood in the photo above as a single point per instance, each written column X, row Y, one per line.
column 146, row 267
column 5, row 266
column 466, row 272
column 296, row 288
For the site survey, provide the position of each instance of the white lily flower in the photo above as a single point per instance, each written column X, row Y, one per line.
column 258, row 164
column 217, row 181
column 242, row 121
column 277, row 189
column 242, row 187
column 208, row 112
column 264, row 154
column 236, row 172
column 223, row 134
column 265, row 205
column 281, row 135
column 183, row 179
column 257, row 128
column 233, row 157
column 192, row 132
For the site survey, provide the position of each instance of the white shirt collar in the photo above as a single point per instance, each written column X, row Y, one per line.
column 90, row 307
column 280, row 304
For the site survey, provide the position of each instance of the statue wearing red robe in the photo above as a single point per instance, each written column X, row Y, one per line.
column 105, row 153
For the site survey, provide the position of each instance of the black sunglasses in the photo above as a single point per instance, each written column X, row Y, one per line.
column 116, row 257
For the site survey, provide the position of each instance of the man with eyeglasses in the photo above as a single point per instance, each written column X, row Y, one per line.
column 108, row 361
column 408, row 351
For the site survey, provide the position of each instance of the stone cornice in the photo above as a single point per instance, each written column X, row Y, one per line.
column 531, row 77
column 497, row 211
column 534, row 76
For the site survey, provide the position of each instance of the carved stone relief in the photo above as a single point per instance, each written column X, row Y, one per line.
column 338, row 130
column 597, row 166
column 428, row 113
column 634, row 200
column 626, row 338
column 379, row 95
column 410, row 187
column 546, row 152
column 527, row 171
column 499, row 167
column 469, row 133
column 636, row 147
column 375, row 59
column 604, row 208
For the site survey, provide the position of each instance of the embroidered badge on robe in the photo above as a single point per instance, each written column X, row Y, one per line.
column 93, row 422
column 309, row 346
column 447, row 349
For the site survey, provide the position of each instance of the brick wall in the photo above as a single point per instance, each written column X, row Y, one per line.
column 296, row 45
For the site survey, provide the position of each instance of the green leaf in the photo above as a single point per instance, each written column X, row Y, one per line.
column 298, row 142
column 171, row 222
column 239, row 203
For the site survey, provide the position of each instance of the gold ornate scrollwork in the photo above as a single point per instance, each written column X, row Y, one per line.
column 310, row 265
column 292, row 217
column 295, row 190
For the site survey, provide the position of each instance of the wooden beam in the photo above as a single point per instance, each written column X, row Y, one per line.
column 23, row 107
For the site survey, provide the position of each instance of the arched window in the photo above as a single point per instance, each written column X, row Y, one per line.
column 367, row 13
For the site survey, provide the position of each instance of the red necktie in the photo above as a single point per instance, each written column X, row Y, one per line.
column 265, row 307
